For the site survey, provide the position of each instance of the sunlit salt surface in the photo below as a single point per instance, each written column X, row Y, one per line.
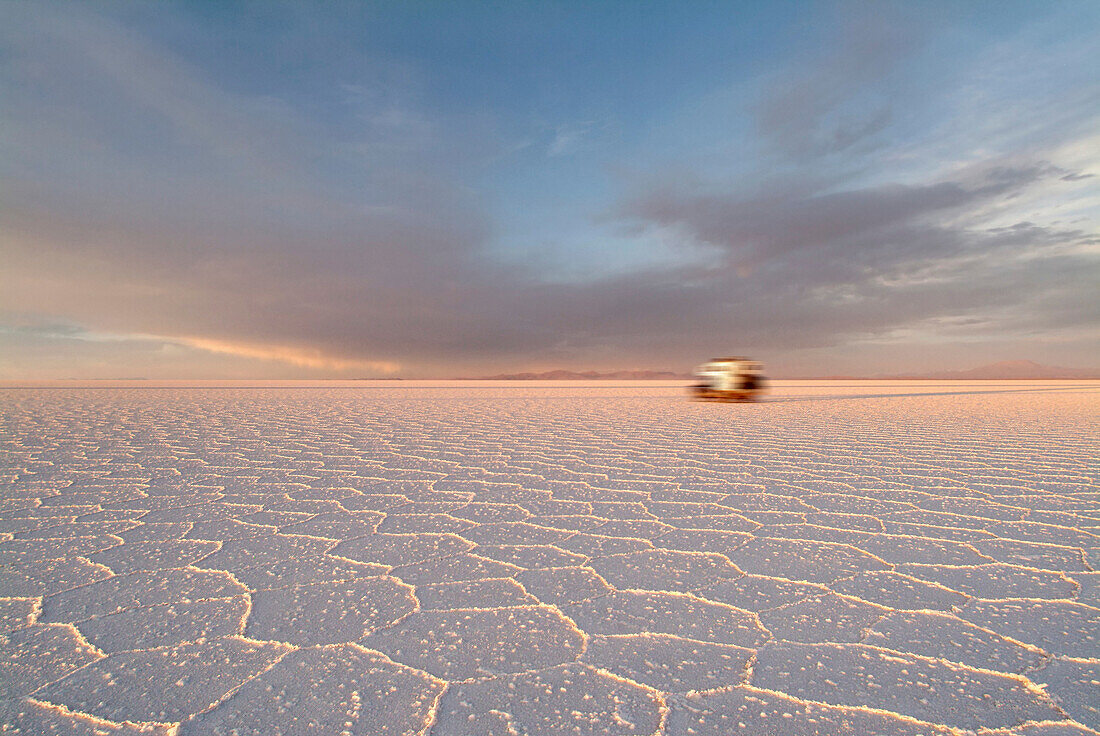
column 461, row 559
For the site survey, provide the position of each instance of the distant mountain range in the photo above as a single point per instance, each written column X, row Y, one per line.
column 1007, row 370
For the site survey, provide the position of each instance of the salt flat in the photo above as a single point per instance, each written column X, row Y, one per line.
column 415, row 558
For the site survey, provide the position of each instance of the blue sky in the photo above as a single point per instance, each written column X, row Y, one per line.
column 432, row 189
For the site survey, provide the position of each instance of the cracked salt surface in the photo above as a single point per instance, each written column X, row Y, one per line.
column 469, row 559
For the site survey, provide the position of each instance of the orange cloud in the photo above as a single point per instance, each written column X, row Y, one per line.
column 305, row 357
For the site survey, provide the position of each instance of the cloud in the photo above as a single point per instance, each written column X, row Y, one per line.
column 243, row 242
column 304, row 357
column 842, row 95
column 569, row 137
column 198, row 224
column 816, row 267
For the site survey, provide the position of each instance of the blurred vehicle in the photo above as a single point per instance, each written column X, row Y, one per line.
column 729, row 379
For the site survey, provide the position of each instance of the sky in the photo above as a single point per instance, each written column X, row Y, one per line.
column 446, row 189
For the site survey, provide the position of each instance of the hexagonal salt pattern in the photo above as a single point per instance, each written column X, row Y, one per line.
column 465, row 560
